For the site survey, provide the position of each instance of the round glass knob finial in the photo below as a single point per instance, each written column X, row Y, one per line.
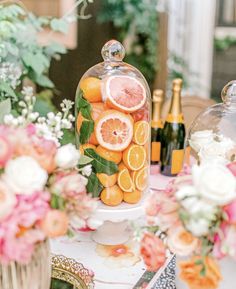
column 112, row 51
column 228, row 93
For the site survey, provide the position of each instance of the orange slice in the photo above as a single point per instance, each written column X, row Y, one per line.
column 114, row 130
column 134, row 157
column 133, row 198
column 140, row 178
column 91, row 87
column 112, row 196
column 124, row 181
column 106, row 180
column 121, row 166
column 109, row 155
column 141, row 132
column 124, row 93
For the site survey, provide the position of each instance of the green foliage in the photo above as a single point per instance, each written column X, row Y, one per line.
column 21, row 56
column 100, row 164
column 60, row 284
column 94, row 186
column 137, row 25
column 222, row 44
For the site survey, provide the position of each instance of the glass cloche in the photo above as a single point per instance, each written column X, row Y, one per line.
column 212, row 136
column 113, row 127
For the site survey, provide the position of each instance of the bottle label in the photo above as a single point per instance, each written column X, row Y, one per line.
column 177, row 161
column 187, row 155
column 156, row 151
column 157, row 123
column 175, row 118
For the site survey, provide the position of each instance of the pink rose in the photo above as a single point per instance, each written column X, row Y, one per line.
column 230, row 210
column 181, row 242
column 55, row 224
column 5, row 151
column 70, row 185
column 153, row 251
column 162, row 211
column 7, row 201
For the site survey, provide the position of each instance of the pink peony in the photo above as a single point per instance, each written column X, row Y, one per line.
column 55, row 224
column 232, row 168
column 162, row 211
column 230, row 210
column 7, row 201
column 153, row 251
column 5, row 151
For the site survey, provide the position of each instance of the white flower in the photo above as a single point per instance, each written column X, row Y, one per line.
column 24, row 175
column 200, row 138
column 198, row 227
column 185, row 191
column 7, row 201
column 93, row 222
column 214, row 183
column 76, row 222
column 67, row 156
column 214, row 152
column 87, row 170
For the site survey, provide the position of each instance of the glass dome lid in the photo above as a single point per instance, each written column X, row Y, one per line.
column 113, row 109
column 212, row 136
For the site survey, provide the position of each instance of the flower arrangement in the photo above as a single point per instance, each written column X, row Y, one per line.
column 194, row 217
column 42, row 188
column 212, row 147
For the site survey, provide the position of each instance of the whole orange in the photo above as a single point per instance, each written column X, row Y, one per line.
column 91, row 87
column 112, row 196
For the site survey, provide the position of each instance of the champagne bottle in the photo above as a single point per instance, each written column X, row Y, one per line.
column 157, row 126
column 173, row 134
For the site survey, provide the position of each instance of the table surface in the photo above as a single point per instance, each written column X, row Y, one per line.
column 110, row 272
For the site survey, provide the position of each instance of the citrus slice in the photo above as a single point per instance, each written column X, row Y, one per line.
column 124, row 93
column 106, row 180
column 91, row 87
column 114, row 130
column 140, row 178
column 109, row 155
column 121, row 166
column 124, row 181
column 112, row 196
column 133, row 198
column 134, row 157
column 141, row 132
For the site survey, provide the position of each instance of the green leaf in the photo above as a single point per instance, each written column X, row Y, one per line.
column 84, row 106
column 94, row 186
column 8, row 90
column 60, row 25
column 68, row 137
column 44, row 81
column 84, row 160
column 100, row 164
column 5, row 108
column 57, row 202
column 55, row 48
column 36, row 61
column 86, row 130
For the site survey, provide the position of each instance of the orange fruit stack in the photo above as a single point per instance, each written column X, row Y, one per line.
column 121, row 135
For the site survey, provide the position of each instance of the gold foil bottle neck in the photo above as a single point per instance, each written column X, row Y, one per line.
column 158, row 95
column 177, row 84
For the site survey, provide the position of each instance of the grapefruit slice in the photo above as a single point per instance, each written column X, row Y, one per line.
column 124, row 93
column 114, row 130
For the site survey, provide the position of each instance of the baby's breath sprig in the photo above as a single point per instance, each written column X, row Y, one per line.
column 51, row 127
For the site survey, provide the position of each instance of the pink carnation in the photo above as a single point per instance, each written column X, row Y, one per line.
column 230, row 210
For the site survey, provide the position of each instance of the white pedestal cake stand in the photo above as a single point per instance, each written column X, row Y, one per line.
column 115, row 222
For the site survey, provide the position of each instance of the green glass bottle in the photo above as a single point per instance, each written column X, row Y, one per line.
column 157, row 126
column 173, row 134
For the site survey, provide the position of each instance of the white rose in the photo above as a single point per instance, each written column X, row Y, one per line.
column 214, row 183
column 67, row 156
column 213, row 152
column 200, row 138
column 198, row 207
column 7, row 201
column 24, row 175
column 198, row 227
